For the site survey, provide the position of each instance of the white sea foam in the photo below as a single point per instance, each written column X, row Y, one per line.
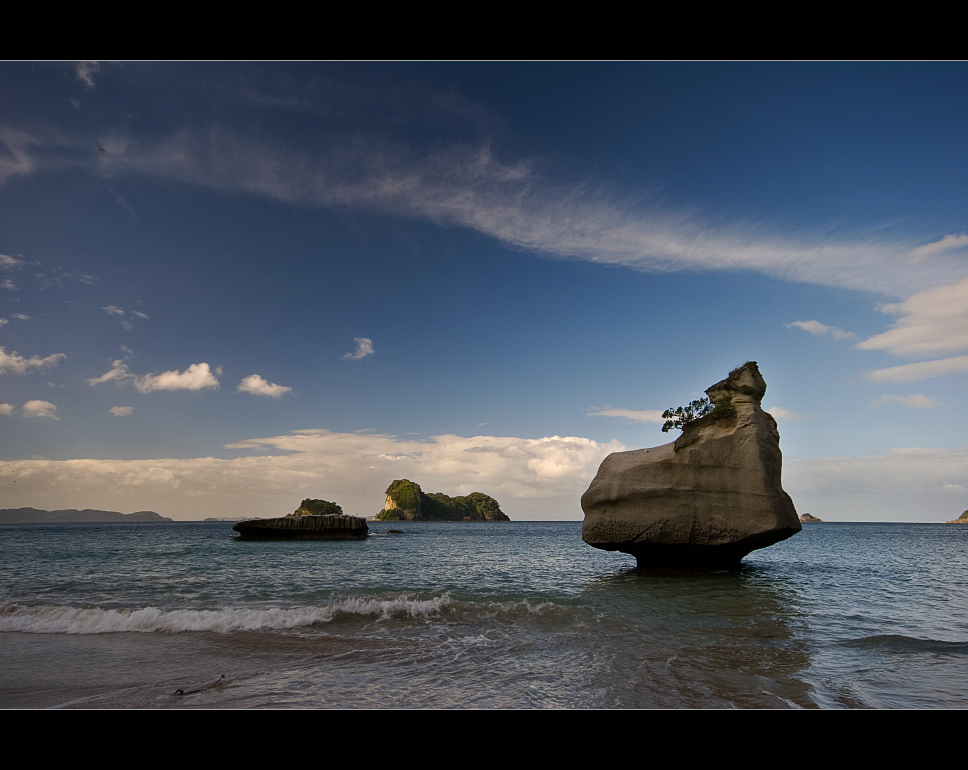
column 47, row 619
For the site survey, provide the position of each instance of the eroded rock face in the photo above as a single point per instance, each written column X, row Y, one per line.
column 337, row 526
column 704, row 501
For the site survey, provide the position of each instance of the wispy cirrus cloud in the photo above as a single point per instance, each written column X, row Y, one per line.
column 633, row 415
column 86, row 70
column 948, row 243
column 364, row 348
column 257, row 386
column 779, row 413
column 195, row 377
column 512, row 200
column 16, row 363
column 121, row 411
column 920, row 371
column 931, row 322
column 123, row 315
column 913, row 401
column 818, row 329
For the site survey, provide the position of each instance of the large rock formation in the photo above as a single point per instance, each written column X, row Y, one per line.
column 407, row 502
column 312, row 520
column 703, row 501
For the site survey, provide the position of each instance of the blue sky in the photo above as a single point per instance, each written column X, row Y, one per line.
column 226, row 287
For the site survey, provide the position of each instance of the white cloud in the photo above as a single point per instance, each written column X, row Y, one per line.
column 645, row 415
column 118, row 371
column 818, row 329
column 364, row 348
column 779, row 413
column 10, row 263
column 257, row 386
column 901, row 485
column 113, row 310
column 3, row 321
column 86, row 70
column 8, row 284
column 139, row 314
column 922, row 371
column 945, row 244
column 121, row 411
column 931, row 322
column 467, row 185
column 20, row 316
column 195, row 377
column 531, row 478
column 40, row 409
column 16, row 363
column 914, row 401
column 6, row 409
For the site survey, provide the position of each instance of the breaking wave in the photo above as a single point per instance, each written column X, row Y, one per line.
column 48, row 619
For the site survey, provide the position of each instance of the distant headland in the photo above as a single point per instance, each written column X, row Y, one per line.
column 407, row 502
column 963, row 519
column 72, row 515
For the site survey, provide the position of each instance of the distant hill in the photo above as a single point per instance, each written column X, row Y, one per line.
column 37, row 516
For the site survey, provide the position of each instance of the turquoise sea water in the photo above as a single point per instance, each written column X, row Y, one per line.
column 476, row 615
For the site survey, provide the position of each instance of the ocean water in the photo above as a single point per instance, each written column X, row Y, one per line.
column 520, row 615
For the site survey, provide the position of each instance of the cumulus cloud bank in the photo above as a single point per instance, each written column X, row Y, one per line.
column 902, row 485
column 532, row 478
column 195, row 377
column 257, row 386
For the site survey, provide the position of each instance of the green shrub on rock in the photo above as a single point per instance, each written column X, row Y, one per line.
column 310, row 507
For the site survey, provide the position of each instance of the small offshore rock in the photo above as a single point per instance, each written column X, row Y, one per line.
column 809, row 517
column 336, row 526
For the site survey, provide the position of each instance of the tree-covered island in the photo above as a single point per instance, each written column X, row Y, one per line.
column 407, row 502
